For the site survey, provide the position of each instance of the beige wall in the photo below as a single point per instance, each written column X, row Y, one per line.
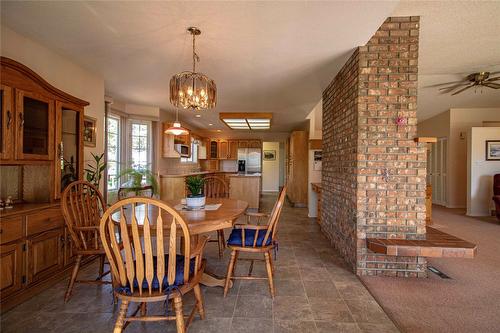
column 61, row 73
column 271, row 169
column 480, row 171
column 452, row 124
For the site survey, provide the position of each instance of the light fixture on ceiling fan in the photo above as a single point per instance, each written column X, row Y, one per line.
column 192, row 90
column 479, row 79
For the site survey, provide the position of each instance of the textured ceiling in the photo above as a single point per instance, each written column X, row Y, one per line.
column 264, row 56
column 456, row 38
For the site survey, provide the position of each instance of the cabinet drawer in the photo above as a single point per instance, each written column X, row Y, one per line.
column 11, row 229
column 44, row 220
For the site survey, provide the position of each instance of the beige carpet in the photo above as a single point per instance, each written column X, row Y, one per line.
column 468, row 302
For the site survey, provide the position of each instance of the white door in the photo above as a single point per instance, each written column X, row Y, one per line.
column 436, row 168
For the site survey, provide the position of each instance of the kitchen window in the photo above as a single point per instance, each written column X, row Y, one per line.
column 113, row 151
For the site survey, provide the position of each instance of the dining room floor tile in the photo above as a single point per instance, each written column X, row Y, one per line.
column 315, row 292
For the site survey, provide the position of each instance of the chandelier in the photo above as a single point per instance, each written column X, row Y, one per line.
column 190, row 89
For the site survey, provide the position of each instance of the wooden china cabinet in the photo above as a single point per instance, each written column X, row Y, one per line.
column 42, row 146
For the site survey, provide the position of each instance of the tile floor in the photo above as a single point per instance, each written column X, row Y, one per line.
column 314, row 293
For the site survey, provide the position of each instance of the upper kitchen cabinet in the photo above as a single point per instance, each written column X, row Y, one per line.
column 223, row 149
column 214, row 149
column 254, row 144
column 34, row 126
column 6, row 123
column 233, row 149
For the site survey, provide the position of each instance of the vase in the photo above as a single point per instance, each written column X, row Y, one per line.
column 195, row 201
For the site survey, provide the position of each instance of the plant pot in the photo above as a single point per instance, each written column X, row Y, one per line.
column 195, row 201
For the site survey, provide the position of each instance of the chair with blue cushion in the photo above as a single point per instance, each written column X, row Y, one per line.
column 251, row 238
column 155, row 261
column 216, row 187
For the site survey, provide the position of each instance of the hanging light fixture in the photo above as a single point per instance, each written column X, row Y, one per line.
column 176, row 128
column 190, row 89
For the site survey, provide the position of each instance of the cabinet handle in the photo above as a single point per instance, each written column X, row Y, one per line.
column 9, row 119
column 21, row 118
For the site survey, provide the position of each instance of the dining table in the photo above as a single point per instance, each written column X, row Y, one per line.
column 199, row 222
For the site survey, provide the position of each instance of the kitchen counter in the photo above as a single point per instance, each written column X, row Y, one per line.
column 245, row 175
column 246, row 188
column 193, row 173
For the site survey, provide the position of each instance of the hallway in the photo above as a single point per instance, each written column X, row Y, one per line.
column 315, row 293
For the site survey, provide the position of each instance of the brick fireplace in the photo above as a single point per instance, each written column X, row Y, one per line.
column 373, row 172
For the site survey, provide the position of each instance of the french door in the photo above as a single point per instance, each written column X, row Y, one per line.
column 436, row 169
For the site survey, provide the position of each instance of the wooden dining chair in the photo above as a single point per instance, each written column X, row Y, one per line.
column 150, row 268
column 251, row 238
column 82, row 206
column 216, row 187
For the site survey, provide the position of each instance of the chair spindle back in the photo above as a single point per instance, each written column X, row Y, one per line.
column 275, row 215
column 215, row 187
column 143, row 225
column 82, row 206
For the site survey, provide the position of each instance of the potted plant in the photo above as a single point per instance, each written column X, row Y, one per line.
column 196, row 197
column 94, row 172
column 135, row 175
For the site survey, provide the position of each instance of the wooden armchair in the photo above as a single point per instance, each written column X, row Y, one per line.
column 82, row 206
column 143, row 271
column 252, row 238
column 216, row 187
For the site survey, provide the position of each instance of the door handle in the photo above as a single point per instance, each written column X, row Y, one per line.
column 9, row 119
column 21, row 119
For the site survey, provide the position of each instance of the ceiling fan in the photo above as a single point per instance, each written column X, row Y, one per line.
column 479, row 79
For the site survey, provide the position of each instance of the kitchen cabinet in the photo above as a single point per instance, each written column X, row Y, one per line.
column 246, row 188
column 6, row 123
column 298, row 168
column 242, row 144
column 214, row 149
column 254, row 144
column 45, row 254
column 11, row 268
column 233, row 149
column 223, row 153
column 34, row 126
column 202, row 149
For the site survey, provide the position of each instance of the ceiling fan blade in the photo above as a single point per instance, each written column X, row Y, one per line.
column 492, row 85
column 463, row 89
column 443, row 84
column 455, row 86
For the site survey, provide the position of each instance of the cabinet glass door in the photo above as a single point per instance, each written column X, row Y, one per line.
column 35, row 123
column 68, row 146
column 6, row 123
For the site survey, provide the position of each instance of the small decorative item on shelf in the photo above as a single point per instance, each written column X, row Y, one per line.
column 9, row 203
column 400, row 121
column 196, row 197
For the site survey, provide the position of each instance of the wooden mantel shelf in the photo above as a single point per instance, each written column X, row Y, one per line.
column 425, row 139
column 437, row 245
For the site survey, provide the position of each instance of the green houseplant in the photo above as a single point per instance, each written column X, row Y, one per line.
column 196, row 198
column 93, row 173
column 133, row 179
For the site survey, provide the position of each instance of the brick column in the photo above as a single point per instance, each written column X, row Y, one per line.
column 373, row 171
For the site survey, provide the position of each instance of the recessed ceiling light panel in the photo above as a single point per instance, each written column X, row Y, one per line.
column 246, row 121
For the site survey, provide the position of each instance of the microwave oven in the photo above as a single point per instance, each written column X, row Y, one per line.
column 183, row 150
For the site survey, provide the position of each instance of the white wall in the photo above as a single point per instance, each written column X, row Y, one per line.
column 62, row 73
column 480, row 172
column 271, row 169
column 450, row 124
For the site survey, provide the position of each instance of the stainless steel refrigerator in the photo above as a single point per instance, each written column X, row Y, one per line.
column 252, row 158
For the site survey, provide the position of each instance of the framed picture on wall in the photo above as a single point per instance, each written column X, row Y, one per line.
column 493, row 150
column 269, row 155
column 89, row 131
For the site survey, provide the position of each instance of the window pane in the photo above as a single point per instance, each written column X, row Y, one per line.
column 113, row 151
